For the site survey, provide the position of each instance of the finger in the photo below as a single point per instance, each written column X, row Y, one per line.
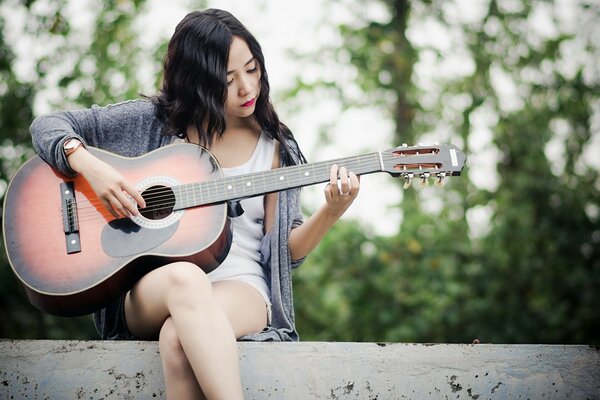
column 328, row 192
column 354, row 183
column 118, row 207
column 133, row 199
column 344, row 182
column 133, row 192
column 109, row 207
column 333, row 179
column 125, row 204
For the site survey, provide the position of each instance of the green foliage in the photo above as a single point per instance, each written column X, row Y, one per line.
column 533, row 276
column 361, row 287
column 102, row 72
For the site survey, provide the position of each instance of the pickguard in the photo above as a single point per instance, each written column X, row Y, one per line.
column 124, row 238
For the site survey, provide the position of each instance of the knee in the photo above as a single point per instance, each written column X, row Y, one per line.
column 172, row 355
column 187, row 281
column 185, row 276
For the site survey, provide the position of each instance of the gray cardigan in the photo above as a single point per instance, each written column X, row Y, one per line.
column 131, row 129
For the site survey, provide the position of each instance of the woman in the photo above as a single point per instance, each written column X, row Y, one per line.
column 215, row 93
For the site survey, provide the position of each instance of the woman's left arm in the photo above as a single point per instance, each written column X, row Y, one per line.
column 304, row 238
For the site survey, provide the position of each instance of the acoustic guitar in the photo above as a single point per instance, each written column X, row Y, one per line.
column 73, row 257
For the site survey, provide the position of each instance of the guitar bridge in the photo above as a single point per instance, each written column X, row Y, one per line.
column 70, row 217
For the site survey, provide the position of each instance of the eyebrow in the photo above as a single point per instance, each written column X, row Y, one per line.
column 249, row 61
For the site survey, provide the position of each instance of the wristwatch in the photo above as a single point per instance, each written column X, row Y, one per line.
column 71, row 145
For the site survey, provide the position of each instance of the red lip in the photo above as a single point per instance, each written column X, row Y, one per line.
column 249, row 103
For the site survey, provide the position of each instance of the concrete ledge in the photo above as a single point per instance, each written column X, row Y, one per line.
column 43, row 369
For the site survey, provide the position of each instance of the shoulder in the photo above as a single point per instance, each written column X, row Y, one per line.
column 131, row 115
column 136, row 106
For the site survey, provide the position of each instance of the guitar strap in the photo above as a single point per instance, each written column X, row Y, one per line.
column 234, row 209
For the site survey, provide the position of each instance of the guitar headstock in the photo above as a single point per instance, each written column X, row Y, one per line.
column 438, row 161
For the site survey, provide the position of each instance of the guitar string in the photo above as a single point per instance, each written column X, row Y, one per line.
column 161, row 190
column 158, row 206
column 161, row 198
column 156, row 196
column 158, row 200
column 169, row 198
column 260, row 175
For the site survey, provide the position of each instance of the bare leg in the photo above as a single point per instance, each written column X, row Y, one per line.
column 206, row 322
column 180, row 381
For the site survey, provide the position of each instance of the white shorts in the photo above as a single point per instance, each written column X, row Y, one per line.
column 238, row 267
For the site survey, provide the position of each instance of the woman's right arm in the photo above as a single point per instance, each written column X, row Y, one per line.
column 110, row 186
column 50, row 132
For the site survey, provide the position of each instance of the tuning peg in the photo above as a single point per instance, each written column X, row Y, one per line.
column 425, row 178
column 408, row 180
column 439, row 181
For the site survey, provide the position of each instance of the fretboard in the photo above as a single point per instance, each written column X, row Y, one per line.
column 274, row 180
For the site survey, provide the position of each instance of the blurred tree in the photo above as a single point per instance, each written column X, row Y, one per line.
column 71, row 72
column 513, row 258
column 15, row 116
column 541, row 268
column 401, row 288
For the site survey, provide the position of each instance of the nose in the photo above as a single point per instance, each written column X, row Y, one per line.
column 245, row 86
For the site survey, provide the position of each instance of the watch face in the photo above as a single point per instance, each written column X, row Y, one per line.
column 71, row 145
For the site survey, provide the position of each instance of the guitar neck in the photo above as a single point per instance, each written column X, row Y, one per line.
column 274, row 180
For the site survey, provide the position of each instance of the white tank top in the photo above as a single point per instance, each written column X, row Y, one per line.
column 243, row 260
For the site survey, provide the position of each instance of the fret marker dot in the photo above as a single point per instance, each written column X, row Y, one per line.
column 306, row 173
column 281, row 178
column 229, row 187
column 248, row 184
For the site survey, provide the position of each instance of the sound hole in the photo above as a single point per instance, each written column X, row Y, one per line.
column 160, row 201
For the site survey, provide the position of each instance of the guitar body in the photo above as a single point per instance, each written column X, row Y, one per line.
column 111, row 254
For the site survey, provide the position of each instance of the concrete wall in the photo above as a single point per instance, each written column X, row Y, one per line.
column 309, row 370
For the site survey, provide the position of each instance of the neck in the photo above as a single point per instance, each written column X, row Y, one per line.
column 241, row 123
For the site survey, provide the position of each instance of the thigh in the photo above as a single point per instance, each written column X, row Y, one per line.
column 146, row 304
column 244, row 306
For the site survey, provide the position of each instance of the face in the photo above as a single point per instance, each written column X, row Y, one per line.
column 243, row 81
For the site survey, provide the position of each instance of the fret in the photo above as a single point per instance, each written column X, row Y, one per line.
column 183, row 195
column 264, row 178
column 281, row 179
column 179, row 200
column 206, row 187
column 199, row 191
column 229, row 189
column 249, row 186
column 191, row 188
column 243, row 190
column 187, row 195
column 307, row 174
column 296, row 177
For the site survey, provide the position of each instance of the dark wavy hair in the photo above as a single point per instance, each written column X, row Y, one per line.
column 194, row 87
